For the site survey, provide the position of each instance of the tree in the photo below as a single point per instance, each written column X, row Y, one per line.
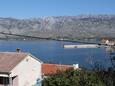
column 74, row 78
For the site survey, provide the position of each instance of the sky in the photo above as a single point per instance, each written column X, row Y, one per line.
column 40, row 8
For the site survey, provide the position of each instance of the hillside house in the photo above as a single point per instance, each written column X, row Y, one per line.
column 23, row 69
column 109, row 42
column 19, row 69
column 49, row 69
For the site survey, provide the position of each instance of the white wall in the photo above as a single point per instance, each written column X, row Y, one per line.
column 28, row 71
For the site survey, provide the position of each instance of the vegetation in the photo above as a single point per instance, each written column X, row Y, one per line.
column 81, row 78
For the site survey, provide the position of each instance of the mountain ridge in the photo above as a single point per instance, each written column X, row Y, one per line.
column 61, row 26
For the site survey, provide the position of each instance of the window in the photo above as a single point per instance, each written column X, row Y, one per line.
column 4, row 80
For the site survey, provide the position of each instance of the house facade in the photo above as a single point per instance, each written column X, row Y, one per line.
column 19, row 69
column 23, row 69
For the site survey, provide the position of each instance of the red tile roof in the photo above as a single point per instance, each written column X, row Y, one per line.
column 8, row 60
column 54, row 68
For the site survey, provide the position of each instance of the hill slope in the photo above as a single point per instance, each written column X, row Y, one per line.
column 61, row 26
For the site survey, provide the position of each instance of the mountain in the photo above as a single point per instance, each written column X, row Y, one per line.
column 83, row 26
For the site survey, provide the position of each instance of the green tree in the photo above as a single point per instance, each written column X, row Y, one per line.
column 78, row 78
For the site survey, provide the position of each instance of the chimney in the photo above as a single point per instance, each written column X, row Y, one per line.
column 18, row 50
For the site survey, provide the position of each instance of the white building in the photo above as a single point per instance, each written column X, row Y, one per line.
column 19, row 69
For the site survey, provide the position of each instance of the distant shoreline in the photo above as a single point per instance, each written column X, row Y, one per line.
column 85, row 41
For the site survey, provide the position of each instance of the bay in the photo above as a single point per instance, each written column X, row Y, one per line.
column 52, row 51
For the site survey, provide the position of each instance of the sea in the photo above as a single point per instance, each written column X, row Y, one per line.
column 52, row 51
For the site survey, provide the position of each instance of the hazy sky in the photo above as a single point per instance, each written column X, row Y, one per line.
column 38, row 8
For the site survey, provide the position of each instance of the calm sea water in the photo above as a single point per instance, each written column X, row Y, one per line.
column 53, row 52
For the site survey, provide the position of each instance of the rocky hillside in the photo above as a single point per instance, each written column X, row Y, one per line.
column 61, row 26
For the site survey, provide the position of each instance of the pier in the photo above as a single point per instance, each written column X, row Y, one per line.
column 82, row 46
